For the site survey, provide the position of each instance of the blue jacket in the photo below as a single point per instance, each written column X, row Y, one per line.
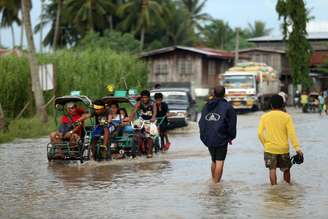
column 217, row 123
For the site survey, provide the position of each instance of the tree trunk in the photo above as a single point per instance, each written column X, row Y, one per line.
column 13, row 35
column 142, row 38
column 41, row 26
column 38, row 93
column 57, row 25
column 2, row 119
column 110, row 20
column 0, row 38
column 22, row 29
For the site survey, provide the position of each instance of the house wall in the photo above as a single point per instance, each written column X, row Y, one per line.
column 182, row 67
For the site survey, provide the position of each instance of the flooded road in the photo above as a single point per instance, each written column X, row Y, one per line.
column 171, row 185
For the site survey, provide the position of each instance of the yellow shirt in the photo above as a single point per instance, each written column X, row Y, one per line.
column 304, row 99
column 275, row 129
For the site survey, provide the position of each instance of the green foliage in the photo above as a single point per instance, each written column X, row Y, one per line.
column 89, row 71
column 27, row 128
column 257, row 29
column 295, row 17
column 117, row 41
column 218, row 34
column 15, row 79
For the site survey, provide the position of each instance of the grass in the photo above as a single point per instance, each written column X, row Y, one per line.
column 27, row 128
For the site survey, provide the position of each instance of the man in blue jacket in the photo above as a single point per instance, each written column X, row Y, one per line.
column 217, row 129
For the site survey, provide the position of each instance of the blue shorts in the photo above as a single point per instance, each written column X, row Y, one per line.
column 98, row 131
column 128, row 129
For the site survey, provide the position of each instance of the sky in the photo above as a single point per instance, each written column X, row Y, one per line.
column 238, row 13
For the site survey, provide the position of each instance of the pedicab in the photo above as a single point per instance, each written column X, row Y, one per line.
column 313, row 105
column 122, row 141
column 79, row 149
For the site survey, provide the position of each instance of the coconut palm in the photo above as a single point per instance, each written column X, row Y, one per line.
column 37, row 91
column 9, row 15
column 140, row 15
column 258, row 29
column 218, row 34
column 195, row 8
column 67, row 34
column 89, row 15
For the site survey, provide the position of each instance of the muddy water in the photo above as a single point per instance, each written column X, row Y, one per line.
column 171, row 185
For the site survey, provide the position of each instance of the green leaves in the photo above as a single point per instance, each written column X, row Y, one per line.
column 295, row 17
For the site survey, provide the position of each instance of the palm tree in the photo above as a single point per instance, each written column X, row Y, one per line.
column 195, row 8
column 218, row 34
column 67, row 34
column 140, row 15
column 89, row 13
column 258, row 29
column 177, row 27
column 37, row 91
column 9, row 15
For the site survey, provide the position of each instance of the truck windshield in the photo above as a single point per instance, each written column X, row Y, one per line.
column 239, row 81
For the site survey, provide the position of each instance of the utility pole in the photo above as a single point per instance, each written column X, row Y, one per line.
column 237, row 46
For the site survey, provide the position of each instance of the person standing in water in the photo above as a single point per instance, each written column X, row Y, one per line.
column 217, row 129
column 275, row 130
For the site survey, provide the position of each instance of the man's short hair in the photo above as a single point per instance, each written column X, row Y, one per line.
column 277, row 102
column 99, row 102
column 158, row 96
column 219, row 91
column 145, row 93
column 70, row 105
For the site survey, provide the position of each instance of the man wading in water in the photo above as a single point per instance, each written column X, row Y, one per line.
column 217, row 129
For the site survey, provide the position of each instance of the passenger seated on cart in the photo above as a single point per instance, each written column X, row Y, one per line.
column 147, row 110
column 69, row 129
column 114, row 120
column 127, row 128
column 101, row 115
column 162, row 113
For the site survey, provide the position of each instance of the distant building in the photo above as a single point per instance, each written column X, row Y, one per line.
column 276, row 44
column 200, row 67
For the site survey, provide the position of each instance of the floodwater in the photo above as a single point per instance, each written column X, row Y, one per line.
column 171, row 185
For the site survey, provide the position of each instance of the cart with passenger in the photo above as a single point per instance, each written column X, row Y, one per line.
column 72, row 139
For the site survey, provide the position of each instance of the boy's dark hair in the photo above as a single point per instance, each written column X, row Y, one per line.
column 145, row 93
column 219, row 91
column 99, row 102
column 158, row 96
column 277, row 102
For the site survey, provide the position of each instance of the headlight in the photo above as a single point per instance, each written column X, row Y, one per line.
column 183, row 114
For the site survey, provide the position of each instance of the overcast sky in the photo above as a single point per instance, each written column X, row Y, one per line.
column 237, row 13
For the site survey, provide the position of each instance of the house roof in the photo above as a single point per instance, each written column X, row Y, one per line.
column 311, row 36
column 209, row 52
column 270, row 50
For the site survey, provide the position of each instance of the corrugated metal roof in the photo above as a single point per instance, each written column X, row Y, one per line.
column 262, row 50
column 209, row 52
column 311, row 36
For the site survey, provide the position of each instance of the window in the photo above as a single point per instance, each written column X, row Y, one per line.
column 161, row 67
column 211, row 68
column 184, row 66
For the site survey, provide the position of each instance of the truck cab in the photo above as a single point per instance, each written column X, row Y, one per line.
column 241, row 89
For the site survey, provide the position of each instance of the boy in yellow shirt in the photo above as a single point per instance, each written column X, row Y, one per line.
column 275, row 130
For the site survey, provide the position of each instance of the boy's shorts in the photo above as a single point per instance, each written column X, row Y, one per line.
column 273, row 161
column 218, row 153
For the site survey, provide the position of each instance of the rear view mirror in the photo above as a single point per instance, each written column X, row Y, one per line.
column 59, row 107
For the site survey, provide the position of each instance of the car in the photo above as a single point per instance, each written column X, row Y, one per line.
column 181, row 105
